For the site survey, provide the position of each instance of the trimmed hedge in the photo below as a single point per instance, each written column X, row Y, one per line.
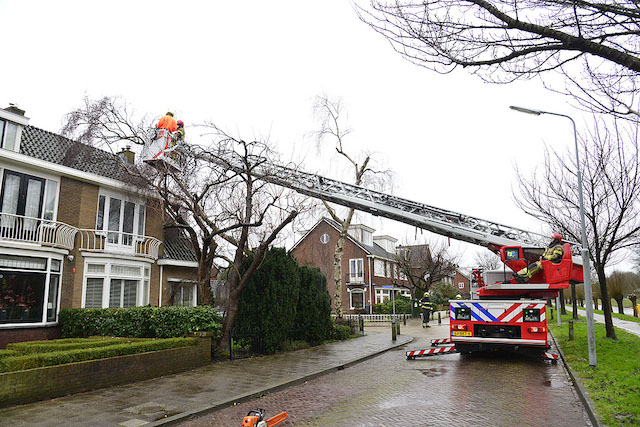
column 341, row 332
column 51, row 346
column 38, row 360
column 403, row 306
column 139, row 322
column 8, row 353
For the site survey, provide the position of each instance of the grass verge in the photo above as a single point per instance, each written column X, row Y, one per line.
column 614, row 384
column 616, row 315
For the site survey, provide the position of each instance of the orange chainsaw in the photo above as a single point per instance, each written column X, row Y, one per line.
column 256, row 419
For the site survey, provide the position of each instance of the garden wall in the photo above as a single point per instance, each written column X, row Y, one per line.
column 55, row 381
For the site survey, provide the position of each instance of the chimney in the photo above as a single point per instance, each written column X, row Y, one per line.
column 13, row 108
column 127, row 155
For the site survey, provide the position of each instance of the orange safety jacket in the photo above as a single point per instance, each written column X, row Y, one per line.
column 168, row 122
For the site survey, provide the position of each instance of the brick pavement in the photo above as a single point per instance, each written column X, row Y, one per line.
column 454, row 389
column 169, row 398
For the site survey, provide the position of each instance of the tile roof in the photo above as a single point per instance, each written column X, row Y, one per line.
column 177, row 246
column 54, row 148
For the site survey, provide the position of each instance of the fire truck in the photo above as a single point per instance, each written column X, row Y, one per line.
column 507, row 315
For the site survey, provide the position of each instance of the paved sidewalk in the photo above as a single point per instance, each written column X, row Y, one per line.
column 631, row 327
column 175, row 397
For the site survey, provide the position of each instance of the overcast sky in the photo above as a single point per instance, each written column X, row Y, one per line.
column 254, row 68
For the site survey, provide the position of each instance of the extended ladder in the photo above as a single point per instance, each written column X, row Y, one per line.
column 440, row 221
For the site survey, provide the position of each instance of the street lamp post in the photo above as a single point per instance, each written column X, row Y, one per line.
column 586, row 269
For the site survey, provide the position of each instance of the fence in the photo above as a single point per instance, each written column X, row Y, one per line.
column 376, row 317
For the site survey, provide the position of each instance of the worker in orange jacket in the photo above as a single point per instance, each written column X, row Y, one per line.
column 168, row 122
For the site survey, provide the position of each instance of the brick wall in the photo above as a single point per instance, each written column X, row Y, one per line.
column 311, row 251
column 28, row 334
column 78, row 207
column 54, row 381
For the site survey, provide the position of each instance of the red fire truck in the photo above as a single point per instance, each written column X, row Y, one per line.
column 508, row 315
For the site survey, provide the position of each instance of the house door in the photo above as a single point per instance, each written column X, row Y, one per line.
column 21, row 202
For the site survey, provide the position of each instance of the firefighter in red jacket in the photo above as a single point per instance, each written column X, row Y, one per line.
column 553, row 253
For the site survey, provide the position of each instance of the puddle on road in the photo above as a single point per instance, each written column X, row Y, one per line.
column 433, row 372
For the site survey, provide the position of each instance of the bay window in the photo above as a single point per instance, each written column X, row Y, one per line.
column 114, row 284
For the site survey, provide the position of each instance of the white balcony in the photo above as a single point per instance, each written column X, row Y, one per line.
column 118, row 243
column 20, row 228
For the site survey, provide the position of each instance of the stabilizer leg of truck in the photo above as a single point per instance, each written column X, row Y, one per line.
column 440, row 341
column 550, row 356
column 436, row 351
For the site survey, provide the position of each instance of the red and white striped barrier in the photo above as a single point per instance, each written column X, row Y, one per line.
column 441, row 341
column 431, row 352
column 550, row 356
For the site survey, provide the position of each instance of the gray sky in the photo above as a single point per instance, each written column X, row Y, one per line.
column 254, row 67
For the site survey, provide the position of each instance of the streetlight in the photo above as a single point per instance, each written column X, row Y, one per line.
column 591, row 337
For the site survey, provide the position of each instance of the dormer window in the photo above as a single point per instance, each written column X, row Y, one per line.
column 12, row 121
column 8, row 134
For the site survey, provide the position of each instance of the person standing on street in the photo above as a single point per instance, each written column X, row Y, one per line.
column 427, row 307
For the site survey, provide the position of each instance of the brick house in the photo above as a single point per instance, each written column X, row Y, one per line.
column 369, row 266
column 73, row 234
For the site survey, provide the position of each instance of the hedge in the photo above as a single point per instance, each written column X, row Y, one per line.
column 139, row 322
column 38, row 360
column 341, row 332
column 30, row 348
column 8, row 353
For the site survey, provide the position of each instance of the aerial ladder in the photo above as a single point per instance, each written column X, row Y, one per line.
column 508, row 315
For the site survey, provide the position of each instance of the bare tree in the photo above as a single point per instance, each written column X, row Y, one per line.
column 486, row 260
column 620, row 284
column 226, row 213
column 329, row 113
column 593, row 44
column 426, row 264
column 611, row 177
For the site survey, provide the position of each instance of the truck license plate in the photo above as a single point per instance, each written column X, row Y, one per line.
column 462, row 333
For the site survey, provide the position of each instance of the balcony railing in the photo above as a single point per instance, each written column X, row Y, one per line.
column 355, row 278
column 34, row 230
column 119, row 243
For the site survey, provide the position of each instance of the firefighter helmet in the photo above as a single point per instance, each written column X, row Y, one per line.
column 180, row 123
column 169, row 113
column 556, row 236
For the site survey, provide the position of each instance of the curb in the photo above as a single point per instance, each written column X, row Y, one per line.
column 582, row 393
column 248, row 396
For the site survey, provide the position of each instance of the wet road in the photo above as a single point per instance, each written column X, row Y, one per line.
column 454, row 389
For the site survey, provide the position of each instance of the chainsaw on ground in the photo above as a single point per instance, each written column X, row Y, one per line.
column 255, row 418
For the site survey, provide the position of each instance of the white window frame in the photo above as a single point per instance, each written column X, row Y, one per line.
column 48, row 273
column 354, row 277
column 182, row 284
column 142, row 279
column 50, row 180
column 378, row 268
column 137, row 209
column 356, row 291
column 460, row 285
column 381, row 294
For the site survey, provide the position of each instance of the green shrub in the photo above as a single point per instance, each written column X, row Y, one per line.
column 37, row 360
column 403, row 305
column 8, row 353
column 442, row 292
column 51, row 346
column 313, row 314
column 267, row 307
column 139, row 322
column 341, row 332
